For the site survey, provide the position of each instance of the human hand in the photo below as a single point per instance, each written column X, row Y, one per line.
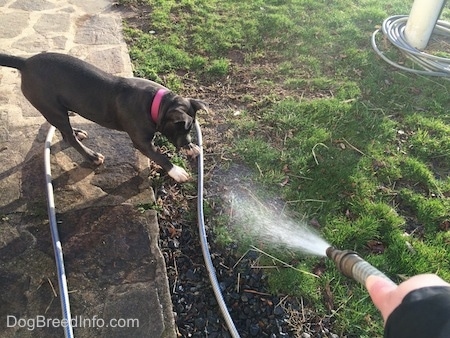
column 387, row 296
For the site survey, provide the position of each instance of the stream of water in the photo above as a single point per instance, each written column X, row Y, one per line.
column 267, row 224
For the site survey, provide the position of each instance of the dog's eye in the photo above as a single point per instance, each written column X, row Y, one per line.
column 184, row 125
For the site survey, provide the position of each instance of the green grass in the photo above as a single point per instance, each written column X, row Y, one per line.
column 359, row 146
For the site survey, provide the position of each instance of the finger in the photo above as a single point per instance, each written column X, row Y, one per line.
column 379, row 290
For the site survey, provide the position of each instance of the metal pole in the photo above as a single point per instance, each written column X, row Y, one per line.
column 421, row 22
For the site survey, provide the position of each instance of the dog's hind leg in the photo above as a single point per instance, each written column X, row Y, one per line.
column 49, row 105
column 74, row 137
column 59, row 118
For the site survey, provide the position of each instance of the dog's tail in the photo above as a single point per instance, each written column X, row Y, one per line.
column 12, row 61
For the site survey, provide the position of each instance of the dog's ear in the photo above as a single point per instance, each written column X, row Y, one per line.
column 198, row 105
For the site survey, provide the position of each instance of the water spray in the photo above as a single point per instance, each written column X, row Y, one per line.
column 351, row 265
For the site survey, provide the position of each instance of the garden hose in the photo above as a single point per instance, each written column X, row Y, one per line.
column 204, row 240
column 394, row 29
column 57, row 247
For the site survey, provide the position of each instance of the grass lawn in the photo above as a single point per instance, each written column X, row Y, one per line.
column 299, row 96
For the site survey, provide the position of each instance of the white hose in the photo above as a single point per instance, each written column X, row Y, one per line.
column 394, row 29
column 57, row 247
column 204, row 240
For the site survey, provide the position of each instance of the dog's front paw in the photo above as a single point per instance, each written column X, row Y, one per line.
column 179, row 174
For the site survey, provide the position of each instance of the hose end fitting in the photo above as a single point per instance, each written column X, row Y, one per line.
column 353, row 266
column 345, row 260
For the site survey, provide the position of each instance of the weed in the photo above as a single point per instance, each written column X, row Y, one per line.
column 147, row 206
column 218, row 67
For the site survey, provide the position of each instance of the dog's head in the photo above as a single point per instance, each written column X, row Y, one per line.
column 178, row 120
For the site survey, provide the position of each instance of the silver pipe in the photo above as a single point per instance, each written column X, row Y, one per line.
column 57, row 247
column 204, row 240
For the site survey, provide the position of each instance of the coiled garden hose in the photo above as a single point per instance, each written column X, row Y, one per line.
column 393, row 29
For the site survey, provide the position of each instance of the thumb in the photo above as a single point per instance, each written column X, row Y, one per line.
column 379, row 290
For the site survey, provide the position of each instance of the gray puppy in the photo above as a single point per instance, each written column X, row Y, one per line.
column 57, row 83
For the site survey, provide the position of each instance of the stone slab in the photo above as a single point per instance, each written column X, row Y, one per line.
column 113, row 264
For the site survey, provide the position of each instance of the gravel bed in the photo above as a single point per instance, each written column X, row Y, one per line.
column 254, row 310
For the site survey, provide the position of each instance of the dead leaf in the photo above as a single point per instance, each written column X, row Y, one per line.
column 285, row 182
column 329, row 299
column 445, row 225
column 375, row 246
column 173, row 232
column 350, row 215
column 315, row 223
column 416, row 90
column 319, row 269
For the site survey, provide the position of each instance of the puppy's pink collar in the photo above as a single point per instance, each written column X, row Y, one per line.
column 154, row 111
